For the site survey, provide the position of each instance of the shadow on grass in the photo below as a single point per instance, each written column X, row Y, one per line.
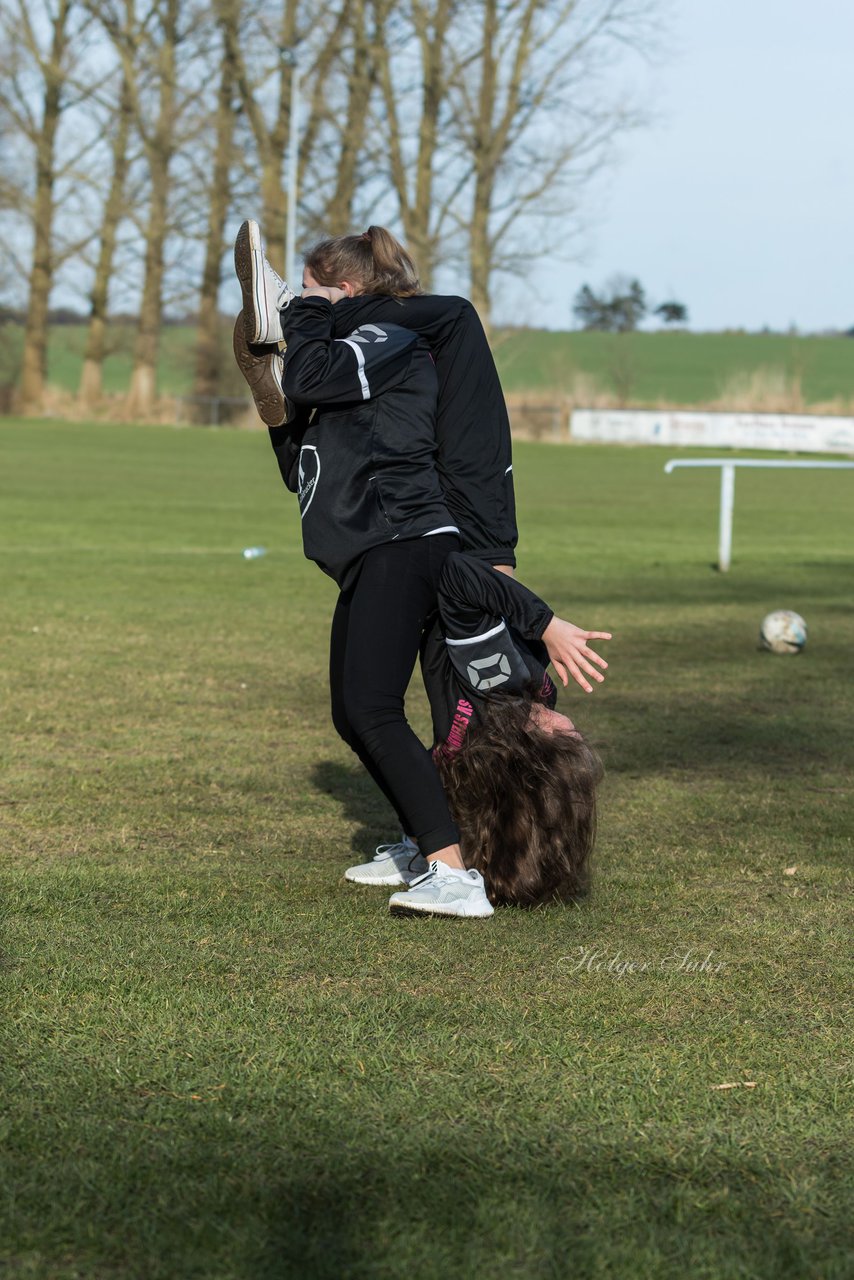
column 437, row 1197
column 754, row 732
column 809, row 586
column 465, row 1205
column 360, row 801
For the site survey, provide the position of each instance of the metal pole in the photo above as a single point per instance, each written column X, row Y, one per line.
column 728, row 467
column 725, row 530
column 293, row 162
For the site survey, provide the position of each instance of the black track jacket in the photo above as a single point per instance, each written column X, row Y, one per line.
column 472, row 428
column 364, row 468
column 486, row 641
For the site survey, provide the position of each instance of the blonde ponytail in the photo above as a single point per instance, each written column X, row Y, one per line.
column 375, row 261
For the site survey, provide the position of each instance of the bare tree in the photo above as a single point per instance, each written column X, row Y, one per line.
column 148, row 44
column 91, row 376
column 265, row 48
column 218, row 194
column 357, row 73
column 159, row 140
column 37, row 88
column 415, row 48
column 472, row 124
column 536, row 118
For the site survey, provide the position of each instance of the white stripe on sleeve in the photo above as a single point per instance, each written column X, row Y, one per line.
column 360, row 365
column 484, row 635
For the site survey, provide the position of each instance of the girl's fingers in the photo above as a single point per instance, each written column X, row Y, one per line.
column 578, row 661
column 579, row 678
column 585, row 656
column 577, row 666
column 594, row 657
column 561, row 670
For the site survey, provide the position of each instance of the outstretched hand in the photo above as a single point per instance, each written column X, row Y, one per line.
column 570, row 654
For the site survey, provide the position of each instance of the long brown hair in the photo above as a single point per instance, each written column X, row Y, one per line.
column 376, row 261
column 525, row 803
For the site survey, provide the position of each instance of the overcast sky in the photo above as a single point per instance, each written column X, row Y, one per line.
column 739, row 199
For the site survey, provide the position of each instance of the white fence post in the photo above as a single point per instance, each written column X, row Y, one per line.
column 728, row 466
column 725, row 523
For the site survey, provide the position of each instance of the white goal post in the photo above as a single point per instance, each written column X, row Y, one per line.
column 728, row 466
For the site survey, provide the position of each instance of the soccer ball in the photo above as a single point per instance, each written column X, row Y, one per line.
column 783, row 631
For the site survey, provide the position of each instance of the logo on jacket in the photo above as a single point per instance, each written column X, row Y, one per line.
column 486, row 673
column 364, row 332
column 308, row 474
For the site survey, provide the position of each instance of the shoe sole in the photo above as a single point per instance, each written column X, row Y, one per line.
column 260, row 369
column 400, row 909
column 249, row 268
column 384, row 881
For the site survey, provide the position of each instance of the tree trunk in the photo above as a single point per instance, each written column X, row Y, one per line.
column 480, row 252
column 435, row 66
column 208, row 358
column 270, row 142
column 532, row 60
column 159, row 147
column 414, row 186
column 91, row 378
column 298, row 22
column 338, row 215
column 34, row 358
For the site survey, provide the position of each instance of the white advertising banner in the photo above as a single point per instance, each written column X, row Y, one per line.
column 783, row 432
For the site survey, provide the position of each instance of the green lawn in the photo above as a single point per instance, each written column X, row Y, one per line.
column 219, row 1060
column 676, row 368
column 640, row 368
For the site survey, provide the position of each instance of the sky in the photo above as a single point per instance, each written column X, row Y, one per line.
column 738, row 199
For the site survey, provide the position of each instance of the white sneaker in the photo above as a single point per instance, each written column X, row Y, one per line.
column 443, row 891
column 399, row 863
column 265, row 293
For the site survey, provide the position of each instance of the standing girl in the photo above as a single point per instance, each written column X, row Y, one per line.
column 374, row 517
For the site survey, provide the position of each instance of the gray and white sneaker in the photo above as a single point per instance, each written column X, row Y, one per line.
column 443, row 891
column 265, row 293
column 262, row 367
column 399, row 863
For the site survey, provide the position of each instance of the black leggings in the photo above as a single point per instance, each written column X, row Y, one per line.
column 375, row 636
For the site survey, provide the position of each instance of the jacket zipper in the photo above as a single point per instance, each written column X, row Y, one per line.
column 373, row 480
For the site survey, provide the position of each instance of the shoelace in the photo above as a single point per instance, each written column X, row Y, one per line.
column 286, row 295
column 389, row 850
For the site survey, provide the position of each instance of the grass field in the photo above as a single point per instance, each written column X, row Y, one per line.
column 744, row 370
column 681, row 368
column 219, row 1060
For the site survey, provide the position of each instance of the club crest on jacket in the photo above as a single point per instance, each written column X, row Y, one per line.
column 308, row 474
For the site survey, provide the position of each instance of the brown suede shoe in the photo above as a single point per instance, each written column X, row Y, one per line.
column 262, row 368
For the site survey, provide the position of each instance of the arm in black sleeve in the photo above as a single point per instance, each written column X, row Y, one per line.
column 475, row 456
column 433, row 316
column 322, row 370
column 471, row 593
column 287, row 441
